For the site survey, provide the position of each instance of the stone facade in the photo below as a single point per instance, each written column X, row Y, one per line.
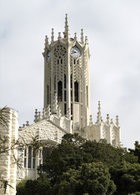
column 66, row 110
column 8, row 164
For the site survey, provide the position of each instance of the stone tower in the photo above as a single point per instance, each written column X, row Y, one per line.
column 66, row 76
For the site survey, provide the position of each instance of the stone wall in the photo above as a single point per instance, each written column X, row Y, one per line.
column 8, row 166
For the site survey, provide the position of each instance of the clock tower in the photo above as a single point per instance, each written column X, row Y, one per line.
column 66, row 77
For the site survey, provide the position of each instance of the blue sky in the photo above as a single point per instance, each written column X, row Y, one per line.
column 113, row 30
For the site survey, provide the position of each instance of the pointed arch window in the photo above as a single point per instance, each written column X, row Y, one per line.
column 76, row 91
column 60, row 91
column 65, row 84
column 71, row 81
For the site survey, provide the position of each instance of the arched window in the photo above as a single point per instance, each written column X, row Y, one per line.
column 76, row 91
column 60, row 91
column 71, row 81
column 65, row 84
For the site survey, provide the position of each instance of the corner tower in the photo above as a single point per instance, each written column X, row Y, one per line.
column 66, row 76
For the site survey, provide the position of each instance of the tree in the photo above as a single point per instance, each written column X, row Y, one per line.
column 126, row 177
column 41, row 186
column 136, row 151
column 90, row 178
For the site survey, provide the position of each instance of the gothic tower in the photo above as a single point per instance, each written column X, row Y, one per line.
column 66, row 76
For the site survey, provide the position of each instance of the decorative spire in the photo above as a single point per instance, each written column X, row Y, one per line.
column 36, row 115
column 107, row 119
column 52, row 37
column 86, row 40
column 46, row 40
column 82, row 36
column 39, row 115
column 27, row 123
column 99, row 117
column 90, row 120
column 117, row 120
column 66, row 32
column 111, row 121
column 59, row 35
column 75, row 36
column 55, row 105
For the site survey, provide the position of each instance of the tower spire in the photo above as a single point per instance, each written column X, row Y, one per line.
column 66, row 32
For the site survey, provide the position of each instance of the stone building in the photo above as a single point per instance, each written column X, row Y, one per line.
column 66, row 106
column 8, row 153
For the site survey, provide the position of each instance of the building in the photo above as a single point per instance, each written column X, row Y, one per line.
column 66, row 104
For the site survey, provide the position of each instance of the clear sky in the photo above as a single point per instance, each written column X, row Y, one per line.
column 113, row 30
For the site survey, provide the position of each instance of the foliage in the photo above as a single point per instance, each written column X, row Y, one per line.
column 77, row 166
column 41, row 186
column 90, row 178
column 136, row 151
column 126, row 177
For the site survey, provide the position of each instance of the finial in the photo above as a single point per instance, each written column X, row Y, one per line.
column 99, row 117
column 111, row 121
column 86, row 40
column 36, row 115
column 107, row 119
column 59, row 35
column 39, row 115
column 82, row 36
column 46, row 40
column 27, row 123
column 90, row 120
column 66, row 32
column 52, row 37
column 75, row 36
column 117, row 120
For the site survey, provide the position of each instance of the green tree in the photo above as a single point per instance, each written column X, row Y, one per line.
column 41, row 186
column 126, row 177
column 136, row 151
column 90, row 178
